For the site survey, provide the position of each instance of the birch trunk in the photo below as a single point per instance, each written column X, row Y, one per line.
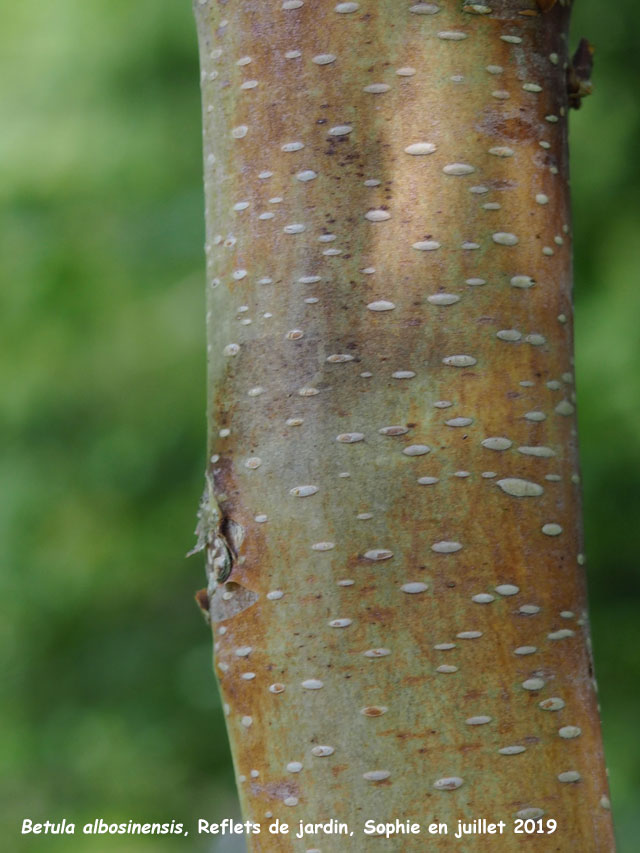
column 392, row 513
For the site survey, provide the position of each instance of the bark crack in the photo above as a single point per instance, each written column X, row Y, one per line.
column 218, row 536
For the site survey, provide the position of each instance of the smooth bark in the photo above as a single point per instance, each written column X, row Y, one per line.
column 392, row 511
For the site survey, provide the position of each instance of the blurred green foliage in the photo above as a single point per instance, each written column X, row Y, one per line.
column 108, row 706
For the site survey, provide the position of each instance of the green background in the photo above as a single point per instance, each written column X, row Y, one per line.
column 109, row 708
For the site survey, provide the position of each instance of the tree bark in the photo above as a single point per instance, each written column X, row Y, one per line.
column 392, row 513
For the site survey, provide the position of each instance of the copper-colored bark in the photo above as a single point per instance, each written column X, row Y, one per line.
column 388, row 243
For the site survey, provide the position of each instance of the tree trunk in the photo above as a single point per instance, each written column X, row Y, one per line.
column 391, row 518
